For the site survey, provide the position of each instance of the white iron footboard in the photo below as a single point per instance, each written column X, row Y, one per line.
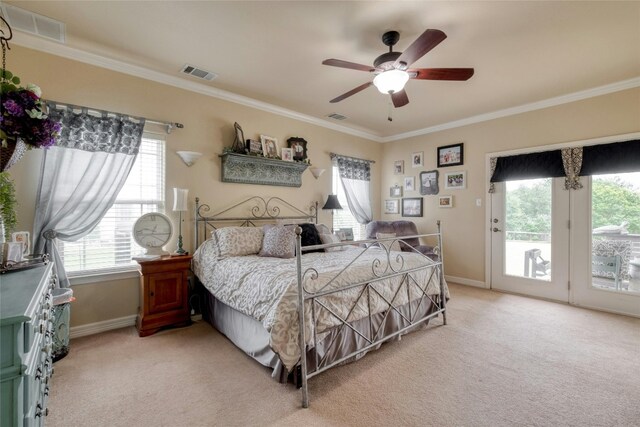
column 392, row 267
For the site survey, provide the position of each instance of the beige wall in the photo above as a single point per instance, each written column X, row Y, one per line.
column 208, row 127
column 464, row 225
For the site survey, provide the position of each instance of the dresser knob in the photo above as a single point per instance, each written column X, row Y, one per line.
column 46, row 412
column 45, row 316
column 41, row 328
column 38, row 411
column 38, row 373
column 46, row 391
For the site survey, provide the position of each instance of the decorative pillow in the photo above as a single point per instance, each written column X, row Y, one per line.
column 323, row 229
column 237, row 241
column 331, row 238
column 279, row 241
column 310, row 237
column 395, row 246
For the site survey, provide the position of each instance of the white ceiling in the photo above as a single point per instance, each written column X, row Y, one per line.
column 522, row 52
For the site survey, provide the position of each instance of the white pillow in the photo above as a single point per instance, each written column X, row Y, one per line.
column 323, row 229
column 331, row 238
column 238, row 241
column 390, row 244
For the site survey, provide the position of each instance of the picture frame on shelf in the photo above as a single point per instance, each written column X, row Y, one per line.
column 23, row 237
column 391, row 206
column 409, row 183
column 429, row 183
column 254, row 147
column 451, row 155
column 455, row 180
column 269, row 146
column 238, row 141
column 299, row 147
column 417, row 159
column 395, row 191
column 348, row 234
column 445, row 201
column 286, row 154
column 412, row 207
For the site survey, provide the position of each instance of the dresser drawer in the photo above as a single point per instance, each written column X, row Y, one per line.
column 41, row 319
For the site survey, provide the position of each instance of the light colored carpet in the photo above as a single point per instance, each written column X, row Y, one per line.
column 502, row 360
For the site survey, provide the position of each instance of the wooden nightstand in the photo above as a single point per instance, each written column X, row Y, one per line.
column 164, row 287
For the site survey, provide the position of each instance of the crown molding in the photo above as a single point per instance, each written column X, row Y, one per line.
column 54, row 48
column 47, row 46
column 538, row 105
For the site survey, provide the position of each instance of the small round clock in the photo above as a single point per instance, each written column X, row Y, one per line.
column 152, row 231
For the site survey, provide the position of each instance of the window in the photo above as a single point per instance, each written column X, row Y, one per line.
column 343, row 218
column 110, row 246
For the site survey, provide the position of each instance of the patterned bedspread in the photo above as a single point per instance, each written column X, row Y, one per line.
column 266, row 288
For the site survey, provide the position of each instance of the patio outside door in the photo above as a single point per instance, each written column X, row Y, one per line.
column 605, row 241
column 530, row 238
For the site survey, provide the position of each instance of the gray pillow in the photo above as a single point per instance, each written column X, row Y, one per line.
column 279, row 241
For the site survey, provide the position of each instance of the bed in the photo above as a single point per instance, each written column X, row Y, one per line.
column 356, row 295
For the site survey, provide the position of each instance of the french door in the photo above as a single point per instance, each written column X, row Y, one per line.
column 578, row 246
column 530, row 238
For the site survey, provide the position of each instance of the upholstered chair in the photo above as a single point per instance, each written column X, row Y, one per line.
column 400, row 228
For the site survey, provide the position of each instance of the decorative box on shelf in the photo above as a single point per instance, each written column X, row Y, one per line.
column 245, row 169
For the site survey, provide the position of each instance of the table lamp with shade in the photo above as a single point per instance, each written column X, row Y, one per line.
column 180, row 199
column 333, row 204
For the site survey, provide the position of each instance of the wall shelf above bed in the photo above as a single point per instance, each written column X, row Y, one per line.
column 244, row 169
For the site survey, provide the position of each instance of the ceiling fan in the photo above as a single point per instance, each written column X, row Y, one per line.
column 392, row 68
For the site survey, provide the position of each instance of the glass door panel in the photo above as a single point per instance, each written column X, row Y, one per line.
column 530, row 238
column 527, row 231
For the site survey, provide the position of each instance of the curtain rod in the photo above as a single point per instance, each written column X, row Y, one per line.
column 169, row 125
column 332, row 155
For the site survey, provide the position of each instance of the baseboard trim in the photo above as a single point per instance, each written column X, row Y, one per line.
column 105, row 325
column 468, row 282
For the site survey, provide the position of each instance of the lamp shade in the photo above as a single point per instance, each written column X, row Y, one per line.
column 332, row 202
column 391, row 81
column 180, row 198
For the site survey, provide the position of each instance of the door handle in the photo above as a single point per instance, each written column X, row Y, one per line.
column 495, row 229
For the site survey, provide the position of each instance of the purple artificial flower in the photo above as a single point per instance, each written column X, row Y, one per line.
column 13, row 108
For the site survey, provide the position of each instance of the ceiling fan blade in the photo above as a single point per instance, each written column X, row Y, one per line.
column 441, row 73
column 346, row 64
column 351, row 92
column 423, row 44
column 400, row 99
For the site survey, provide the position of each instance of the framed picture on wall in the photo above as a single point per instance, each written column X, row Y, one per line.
column 391, row 206
column 445, row 201
column 395, row 191
column 409, row 183
column 450, row 155
column 455, row 180
column 398, row 167
column 417, row 159
column 429, row 182
column 412, row 206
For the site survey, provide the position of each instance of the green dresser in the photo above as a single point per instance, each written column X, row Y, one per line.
column 25, row 345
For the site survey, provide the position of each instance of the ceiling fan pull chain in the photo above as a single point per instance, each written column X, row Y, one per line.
column 390, row 113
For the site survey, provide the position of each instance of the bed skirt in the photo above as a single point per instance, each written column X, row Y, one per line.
column 250, row 336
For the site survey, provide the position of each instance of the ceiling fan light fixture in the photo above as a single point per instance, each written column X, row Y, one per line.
column 391, row 81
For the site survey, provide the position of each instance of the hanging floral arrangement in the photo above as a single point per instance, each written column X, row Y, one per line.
column 23, row 115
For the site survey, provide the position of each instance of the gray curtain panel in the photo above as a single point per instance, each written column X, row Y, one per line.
column 355, row 175
column 81, row 176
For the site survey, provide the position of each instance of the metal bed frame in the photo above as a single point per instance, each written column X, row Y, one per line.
column 388, row 265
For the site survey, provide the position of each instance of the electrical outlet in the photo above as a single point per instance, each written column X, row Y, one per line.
column 478, row 202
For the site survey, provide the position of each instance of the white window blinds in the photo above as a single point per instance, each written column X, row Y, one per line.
column 109, row 247
column 343, row 218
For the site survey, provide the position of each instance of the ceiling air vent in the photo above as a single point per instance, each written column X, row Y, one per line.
column 198, row 72
column 336, row 116
column 32, row 23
